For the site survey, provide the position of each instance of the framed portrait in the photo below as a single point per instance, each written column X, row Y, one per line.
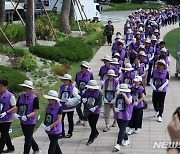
column 82, row 85
column 65, row 95
column 90, row 102
column 1, row 107
column 157, row 83
column 48, row 119
column 109, row 95
column 22, row 110
column 121, row 104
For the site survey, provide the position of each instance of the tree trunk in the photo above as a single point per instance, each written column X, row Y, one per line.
column 64, row 17
column 2, row 11
column 71, row 14
column 30, row 24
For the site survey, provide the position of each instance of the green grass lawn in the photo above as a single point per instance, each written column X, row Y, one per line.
column 172, row 40
column 130, row 6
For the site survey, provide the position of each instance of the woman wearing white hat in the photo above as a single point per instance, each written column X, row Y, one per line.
column 117, row 66
column 123, row 108
column 159, row 84
column 69, row 99
column 27, row 110
column 82, row 78
column 52, row 123
column 138, row 94
column 93, row 101
column 109, row 93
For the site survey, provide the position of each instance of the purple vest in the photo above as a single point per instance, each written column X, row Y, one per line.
column 160, row 79
column 51, row 117
column 83, row 79
column 138, row 71
column 26, row 107
column 103, row 70
column 149, row 51
column 92, row 100
column 127, row 113
column 136, row 95
column 134, row 46
column 5, row 106
column 65, row 94
column 114, row 46
column 128, row 78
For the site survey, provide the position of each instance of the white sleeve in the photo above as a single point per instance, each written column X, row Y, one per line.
column 12, row 100
column 75, row 99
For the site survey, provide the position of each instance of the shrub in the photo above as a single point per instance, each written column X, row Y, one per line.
column 28, row 63
column 14, row 78
column 14, row 32
column 70, row 49
column 60, row 69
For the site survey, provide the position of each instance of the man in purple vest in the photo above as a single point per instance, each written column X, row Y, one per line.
column 27, row 110
column 7, row 107
column 159, row 83
column 52, row 123
column 82, row 78
column 69, row 99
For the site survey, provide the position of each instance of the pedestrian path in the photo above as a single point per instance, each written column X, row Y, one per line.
column 140, row 144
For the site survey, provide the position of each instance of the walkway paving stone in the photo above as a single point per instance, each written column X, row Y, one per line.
column 141, row 143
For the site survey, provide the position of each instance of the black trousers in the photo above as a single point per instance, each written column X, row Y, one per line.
column 5, row 138
column 158, row 99
column 109, row 39
column 29, row 140
column 54, row 147
column 136, row 120
column 70, row 121
column 122, row 124
column 92, row 119
column 149, row 73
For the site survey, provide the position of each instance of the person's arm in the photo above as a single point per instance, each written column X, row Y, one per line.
column 13, row 105
column 142, row 98
column 99, row 103
column 59, row 118
column 76, row 97
column 35, row 108
column 127, row 100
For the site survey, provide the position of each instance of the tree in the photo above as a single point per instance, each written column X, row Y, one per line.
column 30, row 24
column 64, row 17
column 2, row 11
column 71, row 14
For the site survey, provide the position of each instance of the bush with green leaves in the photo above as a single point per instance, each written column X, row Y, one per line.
column 28, row 63
column 13, row 77
column 70, row 49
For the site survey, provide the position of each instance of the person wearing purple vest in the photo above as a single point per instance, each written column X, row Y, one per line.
column 138, row 94
column 27, row 110
column 109, row 92
column 70, row 98
column 128, row 75
column 104, row 69
column 7, row 107
column 159, row 84
column 52, row 123
column 82, row 78
column 139, row 69
column 93, row 100
column 123, row 108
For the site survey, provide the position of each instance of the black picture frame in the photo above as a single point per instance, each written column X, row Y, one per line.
column 120, row 103
column 1, row 107
column 22, row 109
column 109, row 95
column 48, row 119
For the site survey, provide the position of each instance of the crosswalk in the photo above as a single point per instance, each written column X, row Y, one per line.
column 113, row 18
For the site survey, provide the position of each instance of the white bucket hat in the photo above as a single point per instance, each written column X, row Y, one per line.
column 117, row 54
column 92, row 84
column 159, row 41
column 129, row 31
column 138, row 33
column 28, row 84
column 52, row 94
column 142, row 53
column 156, row 31
column 153, row 38
column 128, row 25
column 164, row 50
column 66, row 77
column 162, row 61
column 141, row 46
column 107, row 57
column 148, row 40
column 124, row 88
column 138, row 79
column 149, row 26
column 141, row 29
column 128, row 67
column 133, row 40
column 118, row 37
column 111, row 73
column 115, row 61
column 85, row 64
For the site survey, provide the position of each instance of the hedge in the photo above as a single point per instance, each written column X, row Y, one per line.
column 70, row 49
column 13, row 77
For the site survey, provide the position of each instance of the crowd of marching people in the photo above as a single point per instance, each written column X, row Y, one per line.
column 139, row 59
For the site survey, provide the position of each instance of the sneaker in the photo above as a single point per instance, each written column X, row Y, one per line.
column 125, row 142
column 137, row 131
column 78, row 122
column 61, row 136
column 37, row 152
column 106, row 129
column 8, row 151
column 156, row 114
column 89, row 142
column 97, row 134
column 114, row 124
column 68, row 136
column 84, row 123
column 159, row 119
column 117, row 147
column 130, row 131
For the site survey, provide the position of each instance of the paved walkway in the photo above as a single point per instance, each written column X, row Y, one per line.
column 141, row 143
